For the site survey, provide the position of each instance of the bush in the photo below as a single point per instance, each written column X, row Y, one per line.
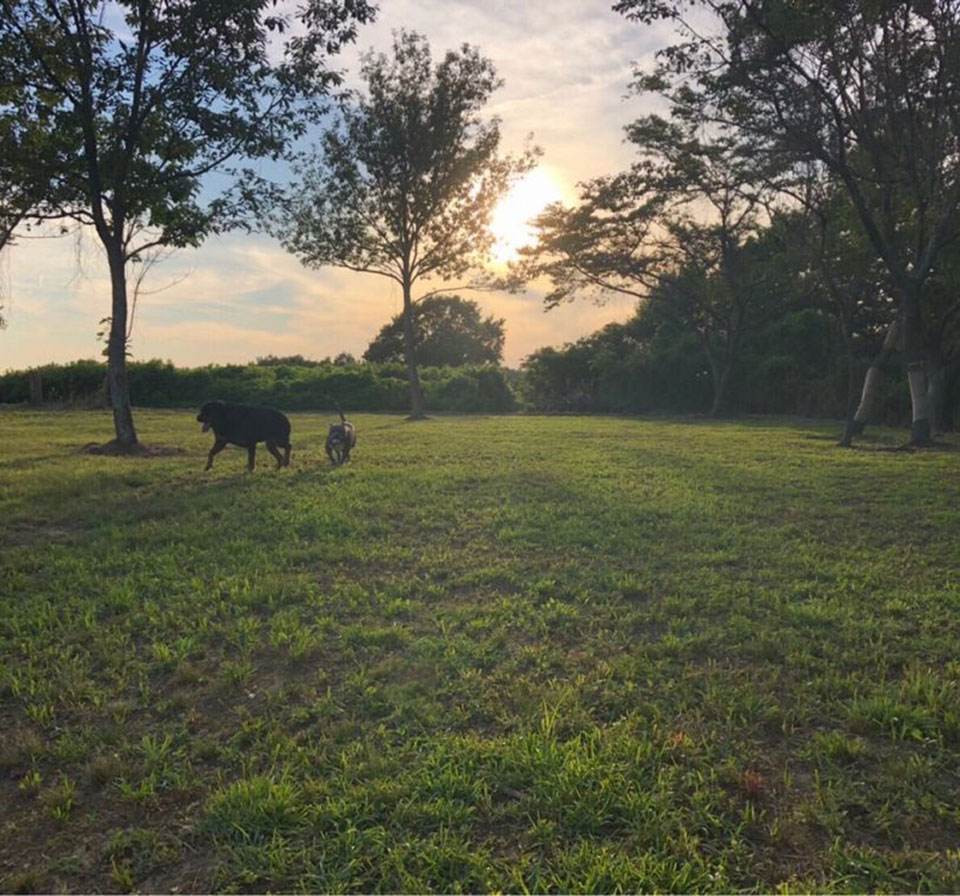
column 289, row 386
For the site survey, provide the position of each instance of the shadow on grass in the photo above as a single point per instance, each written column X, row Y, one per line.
column 123, row 491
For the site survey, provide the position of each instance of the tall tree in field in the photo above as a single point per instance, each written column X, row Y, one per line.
column 869, row 90
column 838, row 261
column 405, row 186
column 679, row 224
column 448, row 331
column 129, row 104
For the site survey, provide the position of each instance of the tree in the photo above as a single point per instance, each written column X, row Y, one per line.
column 868, row 90
column 405, row 186
column 682, row 223
column 448, row 332
column 604, row 371
column 835, row 257
column 128, row 105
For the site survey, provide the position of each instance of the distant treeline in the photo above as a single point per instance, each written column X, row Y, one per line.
column 792, row 366
column 293, row 387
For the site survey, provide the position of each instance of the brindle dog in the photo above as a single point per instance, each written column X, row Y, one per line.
column 341, row 438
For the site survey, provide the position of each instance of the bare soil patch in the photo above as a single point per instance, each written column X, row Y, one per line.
column 114, row 448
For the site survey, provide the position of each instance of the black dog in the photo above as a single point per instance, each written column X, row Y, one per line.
column 245, row 425
column 341, row 438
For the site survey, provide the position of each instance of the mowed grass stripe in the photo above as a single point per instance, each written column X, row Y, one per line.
column 492, row 653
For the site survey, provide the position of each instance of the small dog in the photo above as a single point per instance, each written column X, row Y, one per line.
column 341, row 438
column 245, row 425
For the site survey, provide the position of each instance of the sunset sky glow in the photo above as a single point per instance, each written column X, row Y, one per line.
column 566, row 65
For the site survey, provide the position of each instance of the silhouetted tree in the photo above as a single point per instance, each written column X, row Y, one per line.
column 868, row 90
column 681, row 222
column 129, row 104
column 448, row 331
column 405, row 186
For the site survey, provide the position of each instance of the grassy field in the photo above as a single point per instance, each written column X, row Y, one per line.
column 491, row 654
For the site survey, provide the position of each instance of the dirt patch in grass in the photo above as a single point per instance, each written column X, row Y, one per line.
column 114, row 448
column 29, row 534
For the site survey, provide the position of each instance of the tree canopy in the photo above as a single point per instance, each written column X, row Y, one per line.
column 867, row 90
column 405, row 185
column 448, row 331
column 113, row 114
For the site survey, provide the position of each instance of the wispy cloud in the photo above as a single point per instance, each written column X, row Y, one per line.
column 566, row 65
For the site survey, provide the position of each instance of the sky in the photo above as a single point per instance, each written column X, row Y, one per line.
column 566, row 65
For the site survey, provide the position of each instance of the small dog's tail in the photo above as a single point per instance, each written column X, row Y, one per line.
column 342, row 418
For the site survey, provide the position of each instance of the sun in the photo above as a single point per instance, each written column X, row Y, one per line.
column 510, row 223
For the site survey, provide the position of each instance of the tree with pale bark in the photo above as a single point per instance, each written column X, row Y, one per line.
column 871, row 91
column 404, row 186
column 113, row 114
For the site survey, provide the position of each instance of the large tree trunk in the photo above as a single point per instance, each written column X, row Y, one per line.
column 850, row 405
column 417, row 411
column 920, row 427
column 846, row 327
column 721, row 378
column 871, row 381
column 936, row 392
column 846, row 335
column 719, row 373
column 117, row 383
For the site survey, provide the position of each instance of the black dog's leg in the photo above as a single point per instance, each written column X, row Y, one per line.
column 272, row 448
column 251, row 456
column 218, row 446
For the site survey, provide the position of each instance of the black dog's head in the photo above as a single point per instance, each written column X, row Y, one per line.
column 210, row 414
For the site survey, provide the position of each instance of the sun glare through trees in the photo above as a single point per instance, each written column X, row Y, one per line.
column 511, row 218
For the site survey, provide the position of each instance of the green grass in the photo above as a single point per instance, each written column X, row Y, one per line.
column 491, row 654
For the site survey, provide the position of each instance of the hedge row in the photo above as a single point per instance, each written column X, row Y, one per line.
column 355, row 387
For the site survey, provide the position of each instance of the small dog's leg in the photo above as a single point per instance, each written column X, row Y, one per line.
column 286, row 454
column 218, row 446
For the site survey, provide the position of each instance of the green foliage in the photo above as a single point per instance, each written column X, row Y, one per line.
column 448, row 331
column 289, row 386
column 653, row 363
column 857, row 99
column 127, row 107
column 405, row 184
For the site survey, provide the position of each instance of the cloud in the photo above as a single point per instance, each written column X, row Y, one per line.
column 566, row 65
